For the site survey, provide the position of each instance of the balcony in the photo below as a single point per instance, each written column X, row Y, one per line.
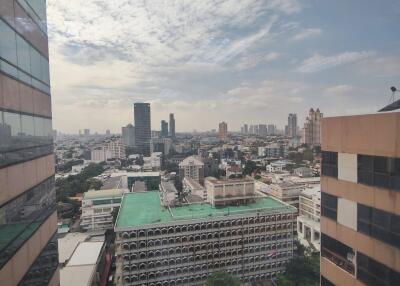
column 338, row 260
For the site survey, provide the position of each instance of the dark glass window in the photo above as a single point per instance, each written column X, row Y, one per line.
column 326, row 282
column 383, row 172
column 23, row 137
column 329, row 164
column 328, row 206
column 22, row 216
column 379, row 224
column 371, row 272
column 337, row 252
column 42, row 269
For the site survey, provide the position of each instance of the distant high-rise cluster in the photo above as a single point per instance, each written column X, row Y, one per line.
column 260, row 129
column 311, row 133
column 223, row 131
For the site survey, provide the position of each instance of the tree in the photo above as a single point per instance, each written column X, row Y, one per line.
column 301, row 271
column 249, row 167
column 222, row 279
column 93, row 184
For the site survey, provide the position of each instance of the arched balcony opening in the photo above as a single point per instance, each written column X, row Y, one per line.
column 150, row 232
column 142, row 233
column 142, row 255
column 125, row 235
column 142, row 266
column 171, row 230
column 125, row 246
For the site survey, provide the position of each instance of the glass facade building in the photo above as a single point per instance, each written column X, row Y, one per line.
column 28, row 219
column 142, row 127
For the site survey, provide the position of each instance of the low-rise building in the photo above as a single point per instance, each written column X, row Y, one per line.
column 308, row 221
column 228, row 192
column 193, row 187
column 287, row 192
column 97, row 208
column 184, row 245
column 303, row 172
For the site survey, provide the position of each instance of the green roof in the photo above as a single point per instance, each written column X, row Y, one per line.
column 145, row 208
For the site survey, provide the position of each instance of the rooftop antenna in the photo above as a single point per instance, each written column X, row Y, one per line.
column 393, row 105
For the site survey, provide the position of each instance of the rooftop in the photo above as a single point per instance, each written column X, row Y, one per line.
column 112, row 193
column 136, row 174
column 192, row 160
column 139, row 209
column 230, row 181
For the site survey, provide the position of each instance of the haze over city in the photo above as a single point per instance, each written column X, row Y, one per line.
column 242, row 62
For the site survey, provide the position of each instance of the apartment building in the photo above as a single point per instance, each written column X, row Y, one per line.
column 28, row 225
column 192, row 167
column 360, row 200
column 184, row 245
column 98, row 207
column 308, row 221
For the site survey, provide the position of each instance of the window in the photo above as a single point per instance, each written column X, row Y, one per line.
column 7, row 43
column 383, row 172
column 337, row 252
column 372, row 272
column 379, row 224
column 326, row 282
column 22, row 216
column 329, row 164
column 329, row 206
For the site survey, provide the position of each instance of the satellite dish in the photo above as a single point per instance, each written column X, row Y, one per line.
column 393, row 105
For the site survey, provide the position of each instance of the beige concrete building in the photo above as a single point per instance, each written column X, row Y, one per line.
column 223, row 131
column 227, row 192
column 193, row 168
column 360, row 200
column 28, row 224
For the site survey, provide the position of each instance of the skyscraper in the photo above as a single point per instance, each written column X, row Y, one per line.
column 128, row 135
column 28, row 224
column 223, row 131
column 292, row 125
column 172, row 125
column 246, row 129
column 142, row 127
column 360, row 183
column 164, row 129
column 262, row 129
column 311, row 134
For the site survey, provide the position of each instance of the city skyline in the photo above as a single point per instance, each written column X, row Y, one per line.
column 272, row 58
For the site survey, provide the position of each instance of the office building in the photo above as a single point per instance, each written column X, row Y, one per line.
column 292, row 125
column 223, row 131
column 142, row 127
column 262, row 129
column 184, row 245
column 128, row 135
column 86, row 132
column 360, row 199
column 116, row 148
column 172, row 126
column 28, row 224
column 100, row 155
column 308, row 221
column 164, row 129
column 193, row 168
column 271, row 129
column 311, row 133
column 98, row 207
column 246, row 129
column 108, row 132
column 163, row 145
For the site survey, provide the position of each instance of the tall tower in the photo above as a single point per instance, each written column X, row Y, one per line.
column 142, row 127
column 223, row 131
column 292, row 125
column 164, row 129
column 311, row 133
column 172, row 125
column 28, row 224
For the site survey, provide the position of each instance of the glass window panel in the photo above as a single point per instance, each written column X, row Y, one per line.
column 13, row 120
column 7, row 43
column 24, row 61
column 380, row 164
column 365, row 162
column 45, row 70
column 22, row 76
column 28, row 126
column 39, row 126
column 36, row 68
column 8, row 69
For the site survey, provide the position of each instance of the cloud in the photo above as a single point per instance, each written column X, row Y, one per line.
column 318, row 63
column 307, row 33
column 338, row 90
column 252, row 60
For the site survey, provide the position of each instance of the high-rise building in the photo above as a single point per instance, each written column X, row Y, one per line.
column 360, row 199
column 128, row 135
column 262, row 129
column 312, row 128
column 86, row 132
column 292, row 125
column 142, row 127
column 223, row 131
column 108, row 132
column 246, row 129
column 28, row 224
column 271, row 129
column 164, row 128
column 172, row 126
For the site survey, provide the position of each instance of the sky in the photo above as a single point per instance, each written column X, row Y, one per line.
column 207, row 61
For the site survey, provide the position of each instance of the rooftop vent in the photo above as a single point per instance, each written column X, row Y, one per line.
column 393, row 105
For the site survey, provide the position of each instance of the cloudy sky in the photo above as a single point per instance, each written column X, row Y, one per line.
column 242, row 61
